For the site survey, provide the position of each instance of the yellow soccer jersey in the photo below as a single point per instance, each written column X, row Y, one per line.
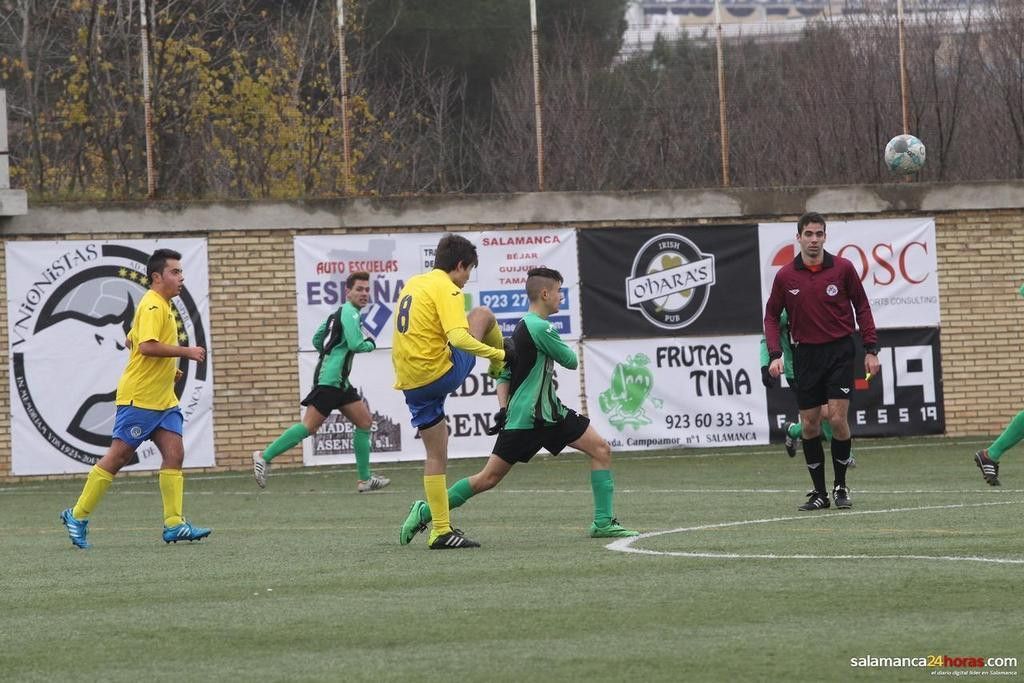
column 428, row 307
column 148, row 381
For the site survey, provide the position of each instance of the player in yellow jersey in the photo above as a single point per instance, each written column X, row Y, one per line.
column 434, row 349
column 147, row 407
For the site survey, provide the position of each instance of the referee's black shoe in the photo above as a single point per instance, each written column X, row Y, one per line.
column 816, row 500
column 841, row 494
column 451, row 540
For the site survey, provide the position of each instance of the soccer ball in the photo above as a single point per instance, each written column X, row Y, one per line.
column 904, row 155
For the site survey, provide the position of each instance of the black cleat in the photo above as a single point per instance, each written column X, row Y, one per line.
column 790, row 441
column 453, row 539
column 989, row 467
column 841, row 494
column 815, row 501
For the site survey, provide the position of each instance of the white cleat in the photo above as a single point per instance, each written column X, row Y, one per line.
column 374, row 483
column 259, row 469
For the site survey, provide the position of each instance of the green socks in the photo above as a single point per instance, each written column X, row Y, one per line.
column 603, row 487
column 361, row 445
column 826, row 430
column 796, row 431
column 1010, row 437
column 458, row 494
column 291, row 436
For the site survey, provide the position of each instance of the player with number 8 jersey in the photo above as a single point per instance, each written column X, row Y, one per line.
column 434, row 349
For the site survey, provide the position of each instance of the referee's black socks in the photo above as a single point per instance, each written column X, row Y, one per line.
column 840, row 459
column 814, row 455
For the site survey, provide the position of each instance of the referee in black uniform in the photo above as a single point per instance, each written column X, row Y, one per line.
column 826, row 302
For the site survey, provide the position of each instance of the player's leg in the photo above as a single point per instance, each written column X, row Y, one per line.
column 811, row 385
column 839, row 384
column 315, row 414
column 987, row 459
column 358, row 414
column 602, row 484
column 494, row 470
column 826, row 433
column 484, row 327
column 76, row 519
column 841, row 446
column 167, row 438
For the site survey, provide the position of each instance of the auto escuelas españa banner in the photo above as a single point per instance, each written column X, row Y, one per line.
column 323, row 262
column 904, row 400
column 74, row 300
column 896, row 260
column 669, row 281
column 696, row 392
column 470, row 411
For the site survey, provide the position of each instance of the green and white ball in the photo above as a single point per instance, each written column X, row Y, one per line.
column 904, row 155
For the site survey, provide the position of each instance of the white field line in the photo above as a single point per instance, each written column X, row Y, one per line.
column 625, row 545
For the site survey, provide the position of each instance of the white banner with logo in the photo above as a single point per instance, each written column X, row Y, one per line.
column 69, row 306
column 895, row 258
column 323, row 262
column 645, row 394
column 470, row 412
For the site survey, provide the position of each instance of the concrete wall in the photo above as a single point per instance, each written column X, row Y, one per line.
column 980, row 232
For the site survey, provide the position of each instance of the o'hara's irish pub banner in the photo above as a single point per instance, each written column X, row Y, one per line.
column 70, row 305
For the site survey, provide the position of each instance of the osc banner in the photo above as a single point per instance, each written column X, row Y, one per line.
column 70, row 305
column 324, row 262
column 667, row 393
column 905, row 399
column 470, row 411
column 669, row 282
column 895, row 258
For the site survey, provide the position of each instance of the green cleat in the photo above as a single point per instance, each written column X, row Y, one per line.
column 413, row 523
column 611, row 530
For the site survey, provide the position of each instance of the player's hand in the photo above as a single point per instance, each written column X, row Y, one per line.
column 499, row 421
column 775, row 368
column 766, row 378
column 196, row 353
column 871, row 364
column 178, row 374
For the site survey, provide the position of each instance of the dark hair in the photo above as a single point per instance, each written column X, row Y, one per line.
column 541, row 278
column 807, row 219
column 453, row 250
column 356, row 276
column 158, row 261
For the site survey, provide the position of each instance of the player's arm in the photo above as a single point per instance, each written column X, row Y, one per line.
column 148, row 334
column 862, row 307
column 353, row 331
column 550, row 343
column 452, row 315
column 460, row 338
column 772, row 313
column 318, row 336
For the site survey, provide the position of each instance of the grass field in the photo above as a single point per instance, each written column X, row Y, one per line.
column 306, row 580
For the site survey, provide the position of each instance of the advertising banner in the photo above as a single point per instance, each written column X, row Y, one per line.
column 896, row 260
column 69, row 307
column 669, row 282
column 470, row 411
column 904, row 400
column 323, row 262
column 658, row 393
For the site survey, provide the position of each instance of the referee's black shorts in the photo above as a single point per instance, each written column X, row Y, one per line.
column 519, row 445
column 823, row 372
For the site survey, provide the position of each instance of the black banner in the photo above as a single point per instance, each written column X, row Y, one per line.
column 905, row 399
column 670, row 282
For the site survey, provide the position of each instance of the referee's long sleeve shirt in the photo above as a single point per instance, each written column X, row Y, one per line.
column 821, row 303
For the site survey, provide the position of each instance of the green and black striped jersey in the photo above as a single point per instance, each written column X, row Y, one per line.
column 532, row 401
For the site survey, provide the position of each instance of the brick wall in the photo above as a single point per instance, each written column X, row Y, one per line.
column 253, row 328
